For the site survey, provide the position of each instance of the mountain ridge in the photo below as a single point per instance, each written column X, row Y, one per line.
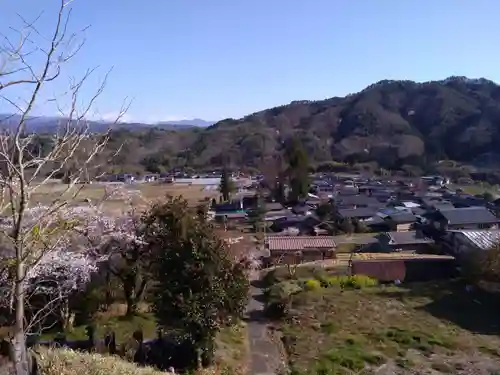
column 49, row 124
column 391, row 124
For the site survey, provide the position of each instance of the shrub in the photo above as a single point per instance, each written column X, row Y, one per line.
column 282, row 290
column 312, row 284
column 282, row 274
column 362, row 281
column 279, row 297
column 351, row 282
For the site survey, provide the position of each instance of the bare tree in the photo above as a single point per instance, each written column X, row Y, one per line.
column 28, row 65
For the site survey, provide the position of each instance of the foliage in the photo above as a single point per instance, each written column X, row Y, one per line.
column 346, row 226
column 325, row 211
column 482, row 265
column 129, row 259
column 298, row 169
column 226, row 186
column 360, row 227
column 257, row 215
column 199, row 287
column 488, row 196
column 351, row 282
column 390, row 123
column 279, row 297
column 280, row 274
column 312, row 284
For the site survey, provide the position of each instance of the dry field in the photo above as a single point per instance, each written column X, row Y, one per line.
column 150, row 191
column 428, row 328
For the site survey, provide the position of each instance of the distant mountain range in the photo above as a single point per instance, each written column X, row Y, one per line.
column 194, row 122
column 50, row 124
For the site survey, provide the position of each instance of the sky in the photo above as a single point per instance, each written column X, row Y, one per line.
column 178, row 59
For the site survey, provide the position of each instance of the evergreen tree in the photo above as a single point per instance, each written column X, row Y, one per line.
column 278, row 191
column 226, row 186
column 199, row 287
column 257, row 215
column 346, row 226
column 298, row 169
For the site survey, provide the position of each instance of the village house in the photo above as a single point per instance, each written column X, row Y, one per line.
column 299, row 249
column 414, row 241
column 463, row 218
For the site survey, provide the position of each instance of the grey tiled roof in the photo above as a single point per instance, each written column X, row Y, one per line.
column 358, row 212
column 408, row 238
column 468, row 215
column 357, row 200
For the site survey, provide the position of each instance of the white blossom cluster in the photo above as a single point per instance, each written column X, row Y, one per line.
column 73, row 254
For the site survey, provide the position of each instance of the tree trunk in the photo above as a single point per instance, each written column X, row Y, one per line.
column 108, row 298
column 134, row 287
column 130, row 295
column 67, row 317
column 131, row 307
column 19, row 354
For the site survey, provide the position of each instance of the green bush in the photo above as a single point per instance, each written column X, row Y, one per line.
column 351, row 282
column 362, row 281
column 282, row 290
column 282, row 274
column 312, row 284
column 279, row 297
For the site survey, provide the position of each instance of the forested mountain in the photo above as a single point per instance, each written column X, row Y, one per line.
column 392, row 123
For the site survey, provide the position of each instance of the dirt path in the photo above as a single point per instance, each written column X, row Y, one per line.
column 265, row 356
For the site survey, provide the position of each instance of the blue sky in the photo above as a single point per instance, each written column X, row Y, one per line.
column 227, row 58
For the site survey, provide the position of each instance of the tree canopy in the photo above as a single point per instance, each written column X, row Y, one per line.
column 199, row 286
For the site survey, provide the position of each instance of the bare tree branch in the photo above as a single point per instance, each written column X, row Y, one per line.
column 32, row 231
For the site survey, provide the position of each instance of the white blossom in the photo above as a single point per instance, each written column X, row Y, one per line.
column 72, row 246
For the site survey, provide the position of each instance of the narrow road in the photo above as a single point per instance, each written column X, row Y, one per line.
column 265, row 357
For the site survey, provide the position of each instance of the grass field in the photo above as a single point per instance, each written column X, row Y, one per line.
column 433, row 328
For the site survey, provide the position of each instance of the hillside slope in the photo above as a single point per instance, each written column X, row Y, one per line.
column 391, row 122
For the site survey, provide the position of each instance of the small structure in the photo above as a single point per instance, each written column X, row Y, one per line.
column 299, row 249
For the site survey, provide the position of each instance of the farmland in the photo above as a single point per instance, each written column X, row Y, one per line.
column 194, row 194
column 421, row 328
